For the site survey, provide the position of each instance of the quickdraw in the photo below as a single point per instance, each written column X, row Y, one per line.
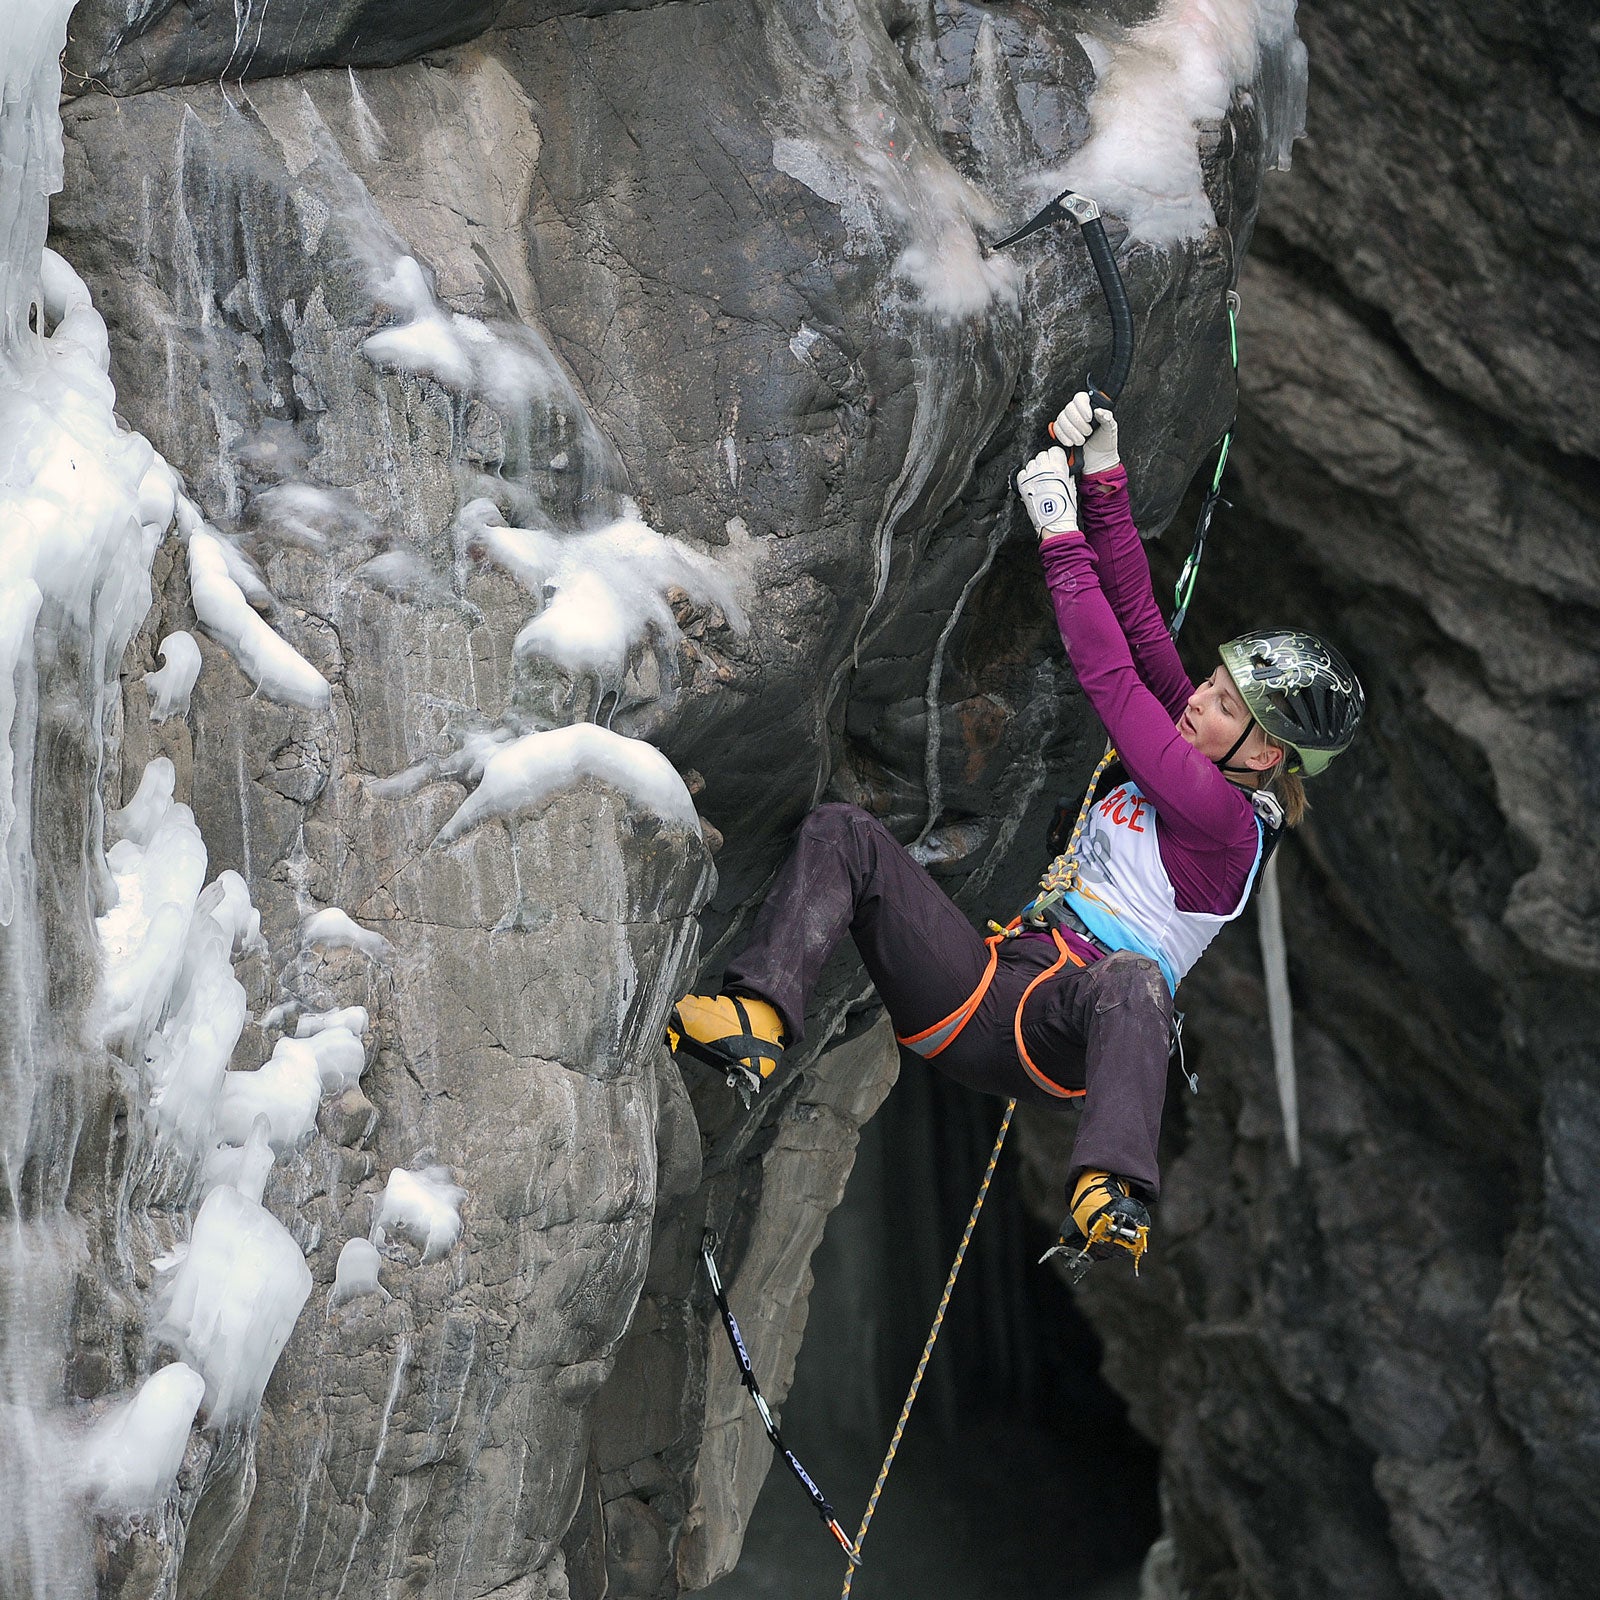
column 741, row 1356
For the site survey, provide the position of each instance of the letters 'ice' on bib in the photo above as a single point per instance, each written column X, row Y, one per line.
column 1127, row 900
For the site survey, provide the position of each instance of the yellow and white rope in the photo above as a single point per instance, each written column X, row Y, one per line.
column 927, row 1349
column 1060, row 877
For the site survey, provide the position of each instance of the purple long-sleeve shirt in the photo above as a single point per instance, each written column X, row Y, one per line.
column 1129, row 668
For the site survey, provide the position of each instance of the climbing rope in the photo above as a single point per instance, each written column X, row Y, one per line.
column 927, row 1349
column 1056, row 886
column 1063, row 875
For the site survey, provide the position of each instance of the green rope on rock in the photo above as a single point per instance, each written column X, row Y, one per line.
column 1183, row 590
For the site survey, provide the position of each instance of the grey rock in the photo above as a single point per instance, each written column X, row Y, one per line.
column 1376, row 1375
column 685, row 224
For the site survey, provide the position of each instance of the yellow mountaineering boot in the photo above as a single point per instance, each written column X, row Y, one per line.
column 1109, row 1217
column 738, row 1035
column 1106, row 1218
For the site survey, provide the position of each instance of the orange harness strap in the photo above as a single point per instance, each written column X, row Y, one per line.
column 1049, row 1085
column 930, row 1041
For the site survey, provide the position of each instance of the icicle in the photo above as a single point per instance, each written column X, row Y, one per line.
column 1280, row 1009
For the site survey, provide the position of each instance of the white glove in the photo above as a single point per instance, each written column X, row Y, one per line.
column 1049, row 493
column 1093, row 427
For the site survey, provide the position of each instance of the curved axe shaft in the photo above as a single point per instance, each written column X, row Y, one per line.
column 1079, row 208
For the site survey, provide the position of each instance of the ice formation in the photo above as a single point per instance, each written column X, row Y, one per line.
column 369, row 131
column 172, row 683
column 340, row 1056
column 352, row 1018
column 233, row 1301
column 168, row 991
column 185, row 1061
column 129, row 1460
column 425, row 1206
column 508, row 364
column 900, row 199
column 1181, row 68
column 308, row 515
column 83, row 505
column 604, row 592
column 286, row 1090
column 1280, row 1005
column 227, row 902
column 357, row 1272
column 918, row 196
column 333, row 928
column 240, row 569
column 72, row 548
column 159, row 867
column 524, row 775
column 270, row 662
column 243, row 1167
column 158, row 490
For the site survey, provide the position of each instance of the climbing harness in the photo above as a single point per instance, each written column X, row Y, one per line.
column 945, row 1032
column 1062, row 876
column 708, row 1248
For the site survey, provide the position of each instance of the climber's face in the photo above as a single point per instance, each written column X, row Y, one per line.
column 1214, row 718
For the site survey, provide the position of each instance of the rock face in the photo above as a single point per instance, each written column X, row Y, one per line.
column 643, row 369
column 1375, row 1375
column 542, row 365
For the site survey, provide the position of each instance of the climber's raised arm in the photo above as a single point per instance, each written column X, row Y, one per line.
column 1199, row 808
column 1124, row 569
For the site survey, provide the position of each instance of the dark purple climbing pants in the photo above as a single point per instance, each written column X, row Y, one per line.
column 1103, row 1028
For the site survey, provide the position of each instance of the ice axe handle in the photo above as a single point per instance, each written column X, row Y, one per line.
column 1099, row 400
column 1105, row 395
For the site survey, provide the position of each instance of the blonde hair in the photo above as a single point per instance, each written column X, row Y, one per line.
column 1286, row 785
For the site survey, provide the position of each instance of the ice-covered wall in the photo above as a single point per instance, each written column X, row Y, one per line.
column 560, row 453
column 74, row 585
column 123, row 1008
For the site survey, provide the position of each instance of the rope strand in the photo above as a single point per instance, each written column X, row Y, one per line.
column 933, row 1335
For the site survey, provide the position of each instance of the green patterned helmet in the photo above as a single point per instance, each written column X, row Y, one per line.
column 1301, row 690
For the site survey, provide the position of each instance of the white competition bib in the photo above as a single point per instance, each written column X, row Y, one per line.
column 1127, row 900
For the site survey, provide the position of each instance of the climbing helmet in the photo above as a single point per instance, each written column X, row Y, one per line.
column 1301, row 691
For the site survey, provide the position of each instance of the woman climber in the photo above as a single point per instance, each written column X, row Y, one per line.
column 1073, row 1001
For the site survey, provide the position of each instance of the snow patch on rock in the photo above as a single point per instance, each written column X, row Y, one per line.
column 529, row 772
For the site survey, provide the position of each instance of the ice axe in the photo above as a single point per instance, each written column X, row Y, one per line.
column 1079, row 208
